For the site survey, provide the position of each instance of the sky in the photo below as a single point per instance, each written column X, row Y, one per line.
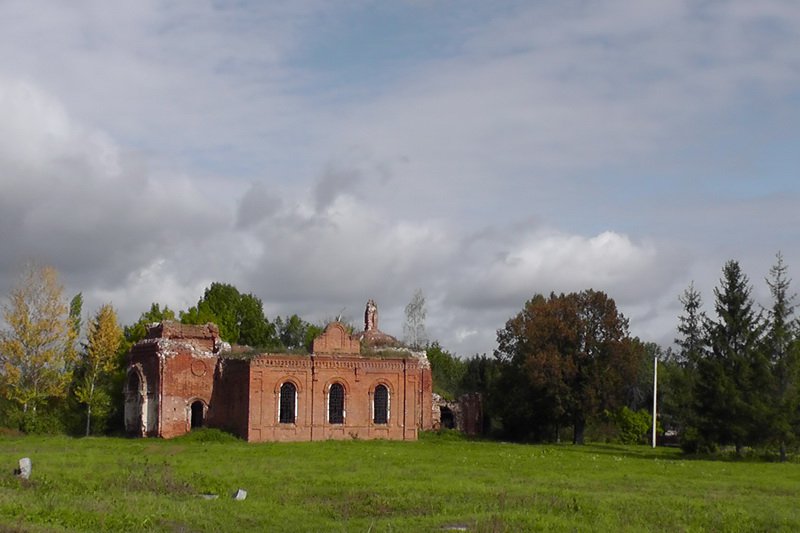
column 318, row 154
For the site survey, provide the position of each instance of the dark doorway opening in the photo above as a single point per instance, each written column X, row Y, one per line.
column 448, row 419
column 197, row 414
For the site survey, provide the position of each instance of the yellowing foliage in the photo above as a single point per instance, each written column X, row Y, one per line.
column 37, row 350
column 103, row 340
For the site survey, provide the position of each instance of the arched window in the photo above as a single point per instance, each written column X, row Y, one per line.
column 288, row 403
column 336, row 404
column 134, row 383
column 380, row 405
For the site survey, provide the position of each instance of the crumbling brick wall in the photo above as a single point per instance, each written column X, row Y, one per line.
column 186, row 370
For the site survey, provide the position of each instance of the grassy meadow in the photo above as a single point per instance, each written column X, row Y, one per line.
column 439, row 483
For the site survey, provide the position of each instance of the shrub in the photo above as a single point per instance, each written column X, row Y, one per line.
column 207, row 435
column 633, row 426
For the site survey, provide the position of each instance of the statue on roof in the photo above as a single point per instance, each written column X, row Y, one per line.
column 371, row 316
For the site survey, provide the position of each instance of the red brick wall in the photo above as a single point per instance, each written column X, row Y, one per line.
column 187, row 377
column 267, row 374
column 336, row 340
column 229, row 408
column 243, row 396
column 313, row 377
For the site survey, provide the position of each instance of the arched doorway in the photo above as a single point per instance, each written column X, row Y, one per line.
column 197, row 414
column 448, row 419
column 136, row 421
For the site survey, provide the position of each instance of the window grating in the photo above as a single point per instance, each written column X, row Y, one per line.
column 287, row 405
column 381, row 405
column 336, row 404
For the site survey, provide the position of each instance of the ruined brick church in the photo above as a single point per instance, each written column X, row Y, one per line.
column 351, row 386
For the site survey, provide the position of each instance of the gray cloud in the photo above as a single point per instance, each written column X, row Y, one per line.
column 544, row 147
column 257, row 205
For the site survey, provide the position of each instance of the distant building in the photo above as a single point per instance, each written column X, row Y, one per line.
column 181, row 377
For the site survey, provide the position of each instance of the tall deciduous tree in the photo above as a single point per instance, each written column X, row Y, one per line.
column 566, row 359
column 734, row 378
column 447, row 371
column 37, row 349
column 138, row 331
column 240, row 317
column 414, row 327
column 295, row 333
column 219, row 305
column 254, row 328
column 98, row 361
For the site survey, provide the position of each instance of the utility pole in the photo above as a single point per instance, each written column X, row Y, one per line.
column 655, row 391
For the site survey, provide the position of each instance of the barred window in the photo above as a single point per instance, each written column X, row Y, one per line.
column 380, row 407
column 336, row 404
column 288, row 403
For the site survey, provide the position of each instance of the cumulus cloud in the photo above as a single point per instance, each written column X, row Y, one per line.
column 71, row 197
column 539, row 147
column 545, row 260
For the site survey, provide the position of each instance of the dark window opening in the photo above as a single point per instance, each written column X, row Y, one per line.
column 336, row 404
column 381, row 405
column 448, row 420
column 287, row 405
column 197, row 414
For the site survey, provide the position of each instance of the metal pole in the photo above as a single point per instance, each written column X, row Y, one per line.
column 655, row 390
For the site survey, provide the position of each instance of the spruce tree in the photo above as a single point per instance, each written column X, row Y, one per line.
column 692, row 342
column 732, row 396
column 681, row 378
column 782, row 349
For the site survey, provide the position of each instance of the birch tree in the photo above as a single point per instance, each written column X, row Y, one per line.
column 414, row 328
column 37, row 350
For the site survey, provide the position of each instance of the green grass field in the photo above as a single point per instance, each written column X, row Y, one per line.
column 436, row 484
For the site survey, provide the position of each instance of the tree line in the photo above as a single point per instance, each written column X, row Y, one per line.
column 59, row 374
column 566, row 365
column 738, row 370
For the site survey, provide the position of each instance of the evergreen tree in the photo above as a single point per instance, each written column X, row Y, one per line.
column 782, row 348
column 732, row 397
column 680, row 377
column 692, row 342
